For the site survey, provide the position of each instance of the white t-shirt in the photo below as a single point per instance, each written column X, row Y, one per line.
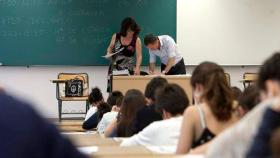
column 106, row 120
column 168, row 49
column 163, row 134
column 90, row 112
column 235, row 141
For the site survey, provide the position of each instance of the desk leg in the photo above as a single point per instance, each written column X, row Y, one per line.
column 59, row 109
column 87, row 106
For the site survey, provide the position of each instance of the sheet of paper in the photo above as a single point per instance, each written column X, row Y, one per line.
column 88, row 150
column 112, row 54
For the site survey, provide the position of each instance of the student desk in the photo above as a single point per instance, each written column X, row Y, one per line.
column 109, row 148
column 70, row 126
column 84, row 139
column 124, row 83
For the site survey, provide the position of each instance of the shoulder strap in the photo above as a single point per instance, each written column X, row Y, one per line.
column 201, row 116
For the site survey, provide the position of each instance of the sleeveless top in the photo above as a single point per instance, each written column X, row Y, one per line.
column 125, row 58
column 206, row 135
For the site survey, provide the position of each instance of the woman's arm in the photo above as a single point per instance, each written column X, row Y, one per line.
column 187, row 131
column 111, row 45
column 138, row 57
column 92, row 122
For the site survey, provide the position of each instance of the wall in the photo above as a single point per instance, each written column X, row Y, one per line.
column 228, row 31
column 33, row 84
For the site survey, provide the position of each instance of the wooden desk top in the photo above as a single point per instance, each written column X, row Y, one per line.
column 150, row 77
column 58, row 80
column 82, row 140
column 85, row 98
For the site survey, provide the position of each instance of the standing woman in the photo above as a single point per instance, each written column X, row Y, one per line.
column 127, row 43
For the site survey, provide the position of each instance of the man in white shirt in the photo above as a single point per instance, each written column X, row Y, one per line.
column 172, row 62
column 172, row 101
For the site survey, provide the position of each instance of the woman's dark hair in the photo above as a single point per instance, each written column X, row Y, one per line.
column 150, row 39
column 133, row 101
column 129, row 23
column 172, row 98
column 217, row 93
column 152, row 87
column 115, row 98
column 249, row 98
column 95, row 95
column 269, row 70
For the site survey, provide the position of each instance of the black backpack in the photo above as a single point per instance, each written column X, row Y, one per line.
column 74, row 88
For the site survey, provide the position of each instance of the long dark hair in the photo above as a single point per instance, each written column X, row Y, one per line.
column 217, row 92
column 132, row 102
column 129, row 23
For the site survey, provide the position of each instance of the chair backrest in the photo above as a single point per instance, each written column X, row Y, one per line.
column 227, row 76
column 248, row 76
column 69, row 76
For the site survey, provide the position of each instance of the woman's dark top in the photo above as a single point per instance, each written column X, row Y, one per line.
column 126, row 58
column 206, row 135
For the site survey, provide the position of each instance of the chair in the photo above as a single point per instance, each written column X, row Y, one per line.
column 249, row 79
column 60, row 91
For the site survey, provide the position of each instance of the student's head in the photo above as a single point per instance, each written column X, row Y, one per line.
column 115, row 98
column 151, row 42
column 103, row 108
column 236, row 92
column 269, row 76
column 153, row 86
column 171, row 100
column 248, row 99
column 132, row 102
column 95, row 97
column 129, row 27
column 210, row 87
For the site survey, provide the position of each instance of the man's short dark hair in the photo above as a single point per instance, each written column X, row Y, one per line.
column 115, row 98
column 95, row 95
column 249, row 98
column 153, row 85
column 150, row 39
column 172, row 98
column 270, row 70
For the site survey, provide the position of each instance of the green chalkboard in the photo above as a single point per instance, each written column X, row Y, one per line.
column 74, row 32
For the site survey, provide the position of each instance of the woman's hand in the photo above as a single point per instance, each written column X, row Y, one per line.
column 276, row 105
column 136, row 71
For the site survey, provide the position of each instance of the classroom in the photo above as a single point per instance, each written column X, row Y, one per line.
column 139, row 78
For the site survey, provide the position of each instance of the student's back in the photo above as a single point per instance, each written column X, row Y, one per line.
column 24, row 134
column 149, row 114
column 214, row 111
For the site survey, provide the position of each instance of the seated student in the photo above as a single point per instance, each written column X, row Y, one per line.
column 236, row 141
column 236, row 92
column 93, row 121
column 248, row 100
column 24, row 134
column 94, row 98
column 171, row 101
column 115, row 100
column 275, row 143
column 148, row 114
column 213, row 114
column 123, row 125
column 271, row 121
